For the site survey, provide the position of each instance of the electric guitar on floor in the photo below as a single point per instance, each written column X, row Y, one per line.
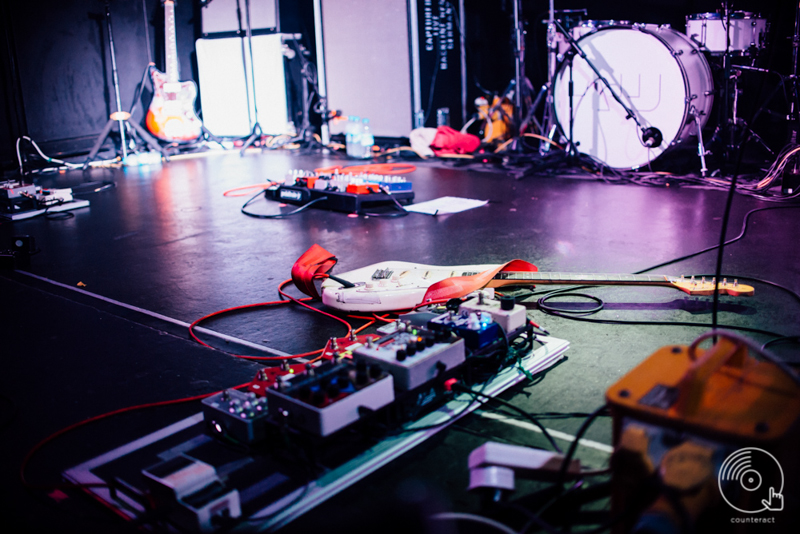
column 396, row 285
column 171, row 116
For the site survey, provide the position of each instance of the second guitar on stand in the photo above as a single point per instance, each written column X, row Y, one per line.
column 171, row 116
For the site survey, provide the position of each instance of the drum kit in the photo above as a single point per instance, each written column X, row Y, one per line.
column 624, row 93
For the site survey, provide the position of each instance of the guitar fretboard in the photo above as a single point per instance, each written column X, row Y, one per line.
column 171, row 45
column 583, row 278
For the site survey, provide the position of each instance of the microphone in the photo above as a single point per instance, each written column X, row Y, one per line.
column 652, row 137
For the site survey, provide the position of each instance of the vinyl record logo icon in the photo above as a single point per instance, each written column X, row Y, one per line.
column 753, row 479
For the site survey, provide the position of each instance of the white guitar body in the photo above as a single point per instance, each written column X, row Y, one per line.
column 389, row 285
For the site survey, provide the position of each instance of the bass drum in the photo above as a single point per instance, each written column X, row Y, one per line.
column 659, row 73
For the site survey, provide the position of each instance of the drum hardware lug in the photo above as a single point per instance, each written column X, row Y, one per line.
column 676, row 53
column 689, row 100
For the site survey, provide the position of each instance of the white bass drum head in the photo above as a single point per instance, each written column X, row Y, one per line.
column 659, row 74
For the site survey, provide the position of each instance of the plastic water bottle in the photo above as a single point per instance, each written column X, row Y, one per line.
column 367, row 140
column 348, row 135
column 352, row 137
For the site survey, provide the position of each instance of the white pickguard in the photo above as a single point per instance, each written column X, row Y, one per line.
column 403, row 289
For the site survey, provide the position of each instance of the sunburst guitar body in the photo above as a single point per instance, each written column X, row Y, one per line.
column 171, row 116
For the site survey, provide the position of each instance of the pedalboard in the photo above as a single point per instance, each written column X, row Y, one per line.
column 336, row 200
column 329, row 397
column 23, row 201
column 350, row 193
column 302, row 432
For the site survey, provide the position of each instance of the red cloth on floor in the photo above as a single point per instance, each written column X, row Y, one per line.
column 450, row 141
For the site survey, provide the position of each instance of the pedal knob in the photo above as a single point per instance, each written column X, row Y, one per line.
column 361, row 377
column 401, row 355
column 375, row 371
column 318, row 397
column 507, row 303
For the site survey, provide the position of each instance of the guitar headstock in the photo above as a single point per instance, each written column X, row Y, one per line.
column 695, row 287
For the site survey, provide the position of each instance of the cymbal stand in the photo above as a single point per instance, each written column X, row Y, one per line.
column 256, row 132
column 521, row 84
column 794, row 104
column 547, row 127
column 728, row 141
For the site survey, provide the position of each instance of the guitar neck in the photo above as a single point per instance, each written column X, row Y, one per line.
column 508, row 278
column 171, row 43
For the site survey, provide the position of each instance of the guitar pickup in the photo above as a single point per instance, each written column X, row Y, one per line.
column 382, row 274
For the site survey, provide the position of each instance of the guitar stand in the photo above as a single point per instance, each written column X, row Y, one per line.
column 254, row 135
column 120, row 117
column 208, row 136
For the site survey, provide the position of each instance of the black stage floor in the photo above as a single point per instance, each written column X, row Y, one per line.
column 166, row 243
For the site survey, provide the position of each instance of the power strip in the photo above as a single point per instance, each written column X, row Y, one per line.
column 337, row 200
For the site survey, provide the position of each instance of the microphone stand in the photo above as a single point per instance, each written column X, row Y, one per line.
column 651, row 137
column 120, row 117
column 256, row 133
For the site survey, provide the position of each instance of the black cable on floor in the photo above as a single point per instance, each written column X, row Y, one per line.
column 562, row 472
column 526, row 415
column 714, row 247
column 567, row 292
column 278, row 215
column 668, row 323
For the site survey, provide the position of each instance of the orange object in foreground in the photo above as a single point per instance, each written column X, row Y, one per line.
column 719, row 431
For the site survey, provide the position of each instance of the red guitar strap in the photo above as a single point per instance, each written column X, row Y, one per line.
column 458, row 286
column 316, row 260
